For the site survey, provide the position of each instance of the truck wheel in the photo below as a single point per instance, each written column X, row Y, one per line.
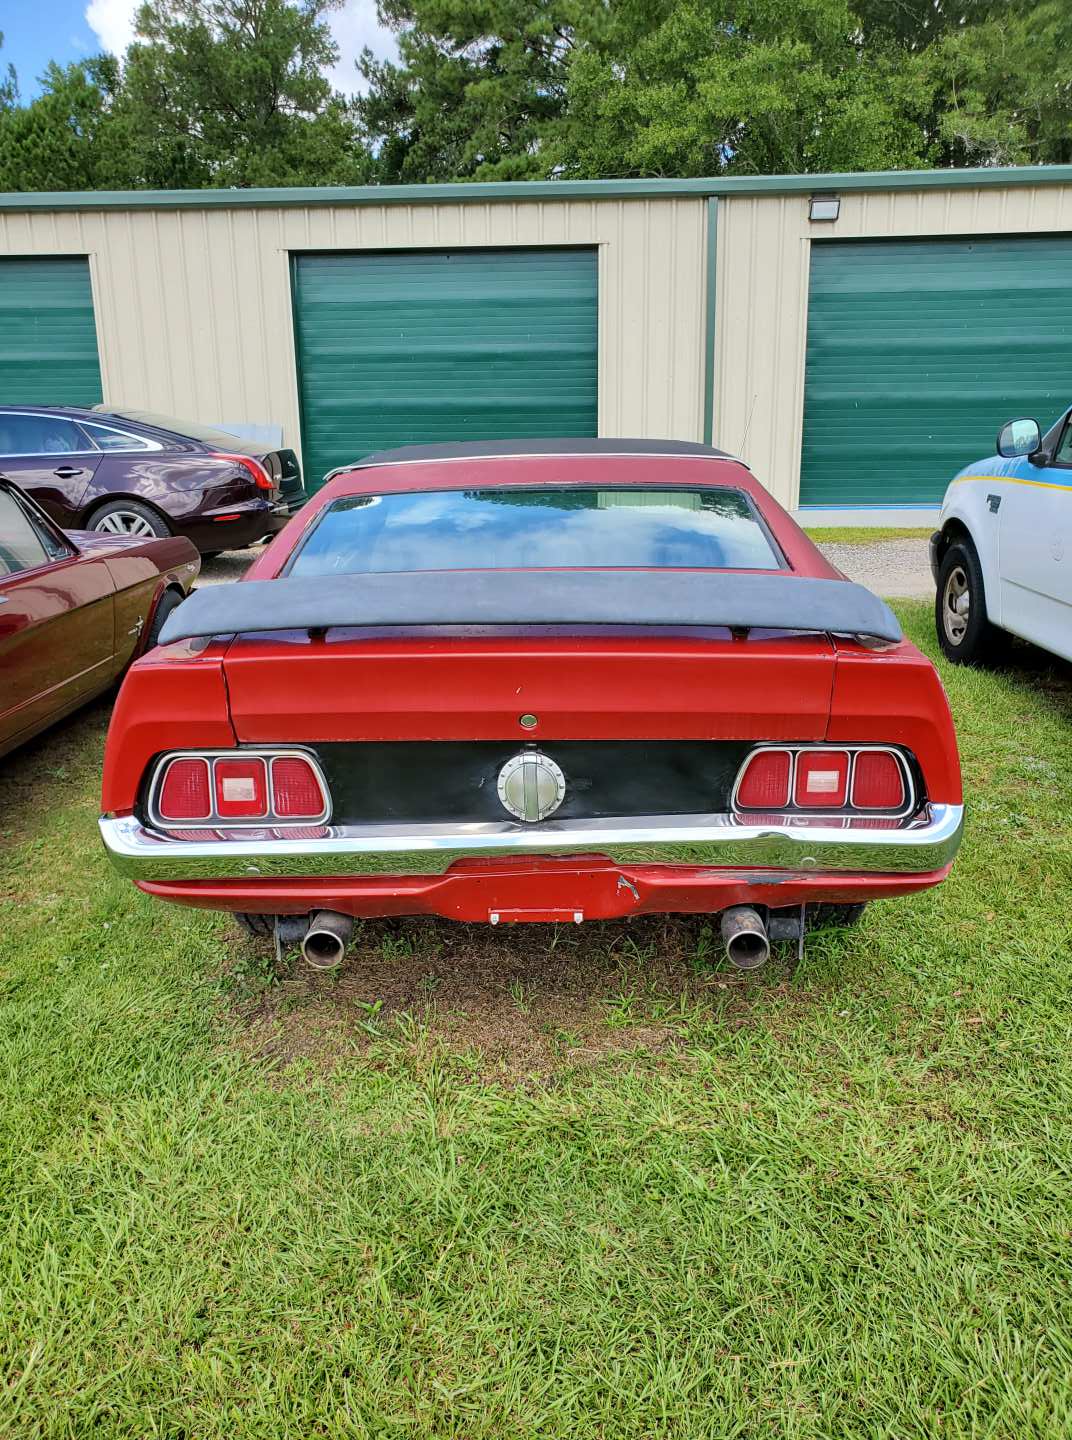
column 965, row 634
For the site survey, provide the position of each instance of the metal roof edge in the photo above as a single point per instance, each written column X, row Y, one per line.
column 536, row 190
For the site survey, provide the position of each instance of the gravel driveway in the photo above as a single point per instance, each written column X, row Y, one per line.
column 899, row 568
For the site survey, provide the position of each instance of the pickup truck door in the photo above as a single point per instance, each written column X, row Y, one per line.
column 1035, row 551
column 57, row 627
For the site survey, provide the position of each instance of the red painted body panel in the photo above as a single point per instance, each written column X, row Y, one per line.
column 172, row 698
column 628, row 688
column 895, row 697
column 352, row 685
column 68, row 628
column 542, row 890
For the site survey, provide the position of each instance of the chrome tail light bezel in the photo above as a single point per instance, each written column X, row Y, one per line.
column 913, row 796
column 215, row 821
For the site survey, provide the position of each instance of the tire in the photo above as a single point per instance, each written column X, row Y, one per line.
column 169, row 601
column 965, row 634
column 822, row 916
column 129, row 517
column 263, row 926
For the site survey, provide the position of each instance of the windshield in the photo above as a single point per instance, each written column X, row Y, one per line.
column 521, row 529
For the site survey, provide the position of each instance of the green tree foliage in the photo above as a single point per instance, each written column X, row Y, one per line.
column 232, row 92
column 756, row 87
column 64, row 140
column 9, row 85
column 212, row 93
column 1005, row 88
column 479, row 86
column 700, row 87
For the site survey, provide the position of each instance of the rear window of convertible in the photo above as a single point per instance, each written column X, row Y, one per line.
column 522, row 529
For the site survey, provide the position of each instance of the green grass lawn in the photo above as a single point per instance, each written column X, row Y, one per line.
column 520, row 1185
column 864, row 535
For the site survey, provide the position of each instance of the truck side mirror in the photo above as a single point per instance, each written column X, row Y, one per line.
column 1019, row 437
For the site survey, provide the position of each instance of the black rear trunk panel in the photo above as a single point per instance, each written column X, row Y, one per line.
column 429, row 781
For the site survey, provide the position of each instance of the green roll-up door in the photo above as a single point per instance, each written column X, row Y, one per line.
column 918, row 350
column 408, row 347
column 48, row 338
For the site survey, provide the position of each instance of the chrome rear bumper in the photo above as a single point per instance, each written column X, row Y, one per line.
column 853, row 845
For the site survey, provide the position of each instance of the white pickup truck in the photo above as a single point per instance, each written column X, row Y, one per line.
column 1002, row 555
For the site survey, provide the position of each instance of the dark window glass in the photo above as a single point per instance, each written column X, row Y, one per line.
column 21, row 546
column 521, row 529
column 1064, row 450
column 107, row 439
column 40, row 435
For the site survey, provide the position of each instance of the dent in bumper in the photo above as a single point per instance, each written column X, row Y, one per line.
column 857, row 846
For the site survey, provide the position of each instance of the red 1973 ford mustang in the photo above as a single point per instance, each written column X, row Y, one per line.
column 534, row 681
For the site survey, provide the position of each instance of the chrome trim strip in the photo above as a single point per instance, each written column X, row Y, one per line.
column 804, row 846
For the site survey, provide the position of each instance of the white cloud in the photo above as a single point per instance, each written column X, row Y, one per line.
column 354, row 26
column 112, row 21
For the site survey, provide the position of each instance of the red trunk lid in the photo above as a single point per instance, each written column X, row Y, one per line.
column 343, row 686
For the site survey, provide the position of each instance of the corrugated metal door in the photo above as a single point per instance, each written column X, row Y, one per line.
column 48, row 338
column 918, row 350
column 412, row 347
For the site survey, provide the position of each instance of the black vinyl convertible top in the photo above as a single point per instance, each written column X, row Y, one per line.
column 511, row 598
column 514, row 449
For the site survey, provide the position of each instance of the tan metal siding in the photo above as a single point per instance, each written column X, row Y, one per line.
column 194, row 309
column 764, row 247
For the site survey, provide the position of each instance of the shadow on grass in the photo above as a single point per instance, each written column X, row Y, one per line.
column 520, row 1001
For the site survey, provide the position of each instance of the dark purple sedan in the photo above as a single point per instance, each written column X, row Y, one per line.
column 129, row 472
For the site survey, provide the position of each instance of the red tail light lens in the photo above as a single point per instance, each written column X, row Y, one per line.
column 296, row 789
column 811, row 778
column 185, row 793
column 822, row 780
column 877, row 781
column 259, row 474
column 765, row 782
column 241, row 789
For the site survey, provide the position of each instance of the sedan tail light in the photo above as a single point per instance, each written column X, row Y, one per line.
column 238, row 787
column 824, row 779
column 259, row 474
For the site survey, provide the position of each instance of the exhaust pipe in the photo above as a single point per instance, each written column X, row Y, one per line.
column 326, row 939
column 745, row 937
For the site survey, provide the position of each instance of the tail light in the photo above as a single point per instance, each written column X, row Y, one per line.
column 257, row 472
column 238, row 787
column 296, row 788
column 822, row 779
column 185, row 791
column 241, row 789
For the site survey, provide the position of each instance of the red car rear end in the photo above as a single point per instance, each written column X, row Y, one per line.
column 599, row 680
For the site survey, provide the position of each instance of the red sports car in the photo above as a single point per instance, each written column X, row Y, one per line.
column 534, row 681
column 75, row 609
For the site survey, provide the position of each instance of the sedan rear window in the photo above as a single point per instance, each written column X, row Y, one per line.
column 523, row 529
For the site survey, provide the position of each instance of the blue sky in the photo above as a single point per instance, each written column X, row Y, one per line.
column 37, row 31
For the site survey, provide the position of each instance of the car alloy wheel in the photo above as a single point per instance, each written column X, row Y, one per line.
column 956, row 605
column 125, row 522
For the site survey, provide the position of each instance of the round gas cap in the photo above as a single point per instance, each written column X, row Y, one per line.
column 531, row 786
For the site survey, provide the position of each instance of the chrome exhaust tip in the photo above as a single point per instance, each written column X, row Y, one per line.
column 745, row 937
column 324, row 943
